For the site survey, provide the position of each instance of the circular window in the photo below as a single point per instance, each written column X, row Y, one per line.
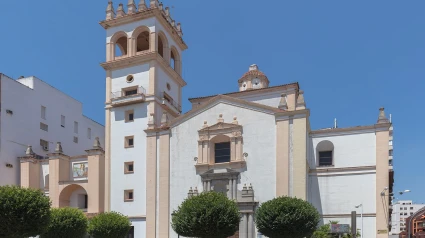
column 168, row 86
column 130, row 78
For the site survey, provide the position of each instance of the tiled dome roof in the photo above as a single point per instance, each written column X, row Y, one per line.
column 253, row 71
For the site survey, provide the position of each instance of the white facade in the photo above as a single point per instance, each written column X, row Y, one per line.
column 266, row 131
column 260, row 162
column 31, row 111
column 335, row 193
column 401, row 210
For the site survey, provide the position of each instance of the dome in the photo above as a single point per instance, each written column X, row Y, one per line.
column 253, row 79
column 252, row 72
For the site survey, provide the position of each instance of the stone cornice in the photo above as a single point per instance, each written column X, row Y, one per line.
column 148, row 13
column 157, row 131
column 99, row 151
column 227, row 99
column 288, row 87
column 237, row 164
column 53, row 156
column 286, row 115
column 343, row 169
column 352, row 130
column 145, row 57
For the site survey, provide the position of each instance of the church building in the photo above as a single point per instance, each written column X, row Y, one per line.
column 254, row 144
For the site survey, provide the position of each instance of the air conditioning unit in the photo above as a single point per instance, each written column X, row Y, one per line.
column 45, row 148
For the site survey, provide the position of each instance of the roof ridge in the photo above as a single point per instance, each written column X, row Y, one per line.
column 241, row 92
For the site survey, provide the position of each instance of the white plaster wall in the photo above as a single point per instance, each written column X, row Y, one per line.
column 336, row 195
column 119, row 155
column 23, row 127
column 259, row 136
column 350, row 150
column 340, row 194
column 270, row 99
column 139, row 72
column 163, row 79
column 139, row 227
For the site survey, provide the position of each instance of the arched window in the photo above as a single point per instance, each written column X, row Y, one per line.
column 163, row 49
column 142, row 38
column 121, row 47
column 325, row 153
column 160, row 46
column 221, row 149
column 173, row 60
column 143, row 41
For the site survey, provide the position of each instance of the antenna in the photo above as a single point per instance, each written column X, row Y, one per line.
column 335, row 123
column 391, row 118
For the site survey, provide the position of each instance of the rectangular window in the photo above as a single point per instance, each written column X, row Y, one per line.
column 129, row 116
column 128, row 195
column 44, row 127
column 222, row 152
column 75, row 139
column 411, row 208
column 325, row 158
column 75, row 127
column 130, row 91
column 130, row 234
column 62, row 121
column 88, row 133
column 43, row 112
column 44, row 145
column 129, row 167
column 129, row 142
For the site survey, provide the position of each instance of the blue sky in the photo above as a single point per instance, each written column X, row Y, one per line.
column 350, row 58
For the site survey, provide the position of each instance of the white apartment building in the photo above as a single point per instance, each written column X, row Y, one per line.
column 37, row 114
column 401, row 210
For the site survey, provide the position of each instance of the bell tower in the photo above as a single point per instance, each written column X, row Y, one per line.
column 144, row 84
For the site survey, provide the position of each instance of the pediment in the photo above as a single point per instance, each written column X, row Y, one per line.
column 221, row 126
column 220, row 171
column 223, row 173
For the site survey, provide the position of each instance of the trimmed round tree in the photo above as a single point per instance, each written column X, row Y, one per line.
column 24, row 212
column 208, row 215
column 286, row 217
column 67, row 223
column 109, row 225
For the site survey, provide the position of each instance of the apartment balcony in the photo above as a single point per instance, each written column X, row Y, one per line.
column 169, row 102
column 128, row 96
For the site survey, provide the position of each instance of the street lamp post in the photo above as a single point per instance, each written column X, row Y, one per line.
column 361, row 217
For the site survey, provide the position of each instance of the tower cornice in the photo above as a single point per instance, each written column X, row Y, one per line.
column 144, row 58
column 174, row 31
